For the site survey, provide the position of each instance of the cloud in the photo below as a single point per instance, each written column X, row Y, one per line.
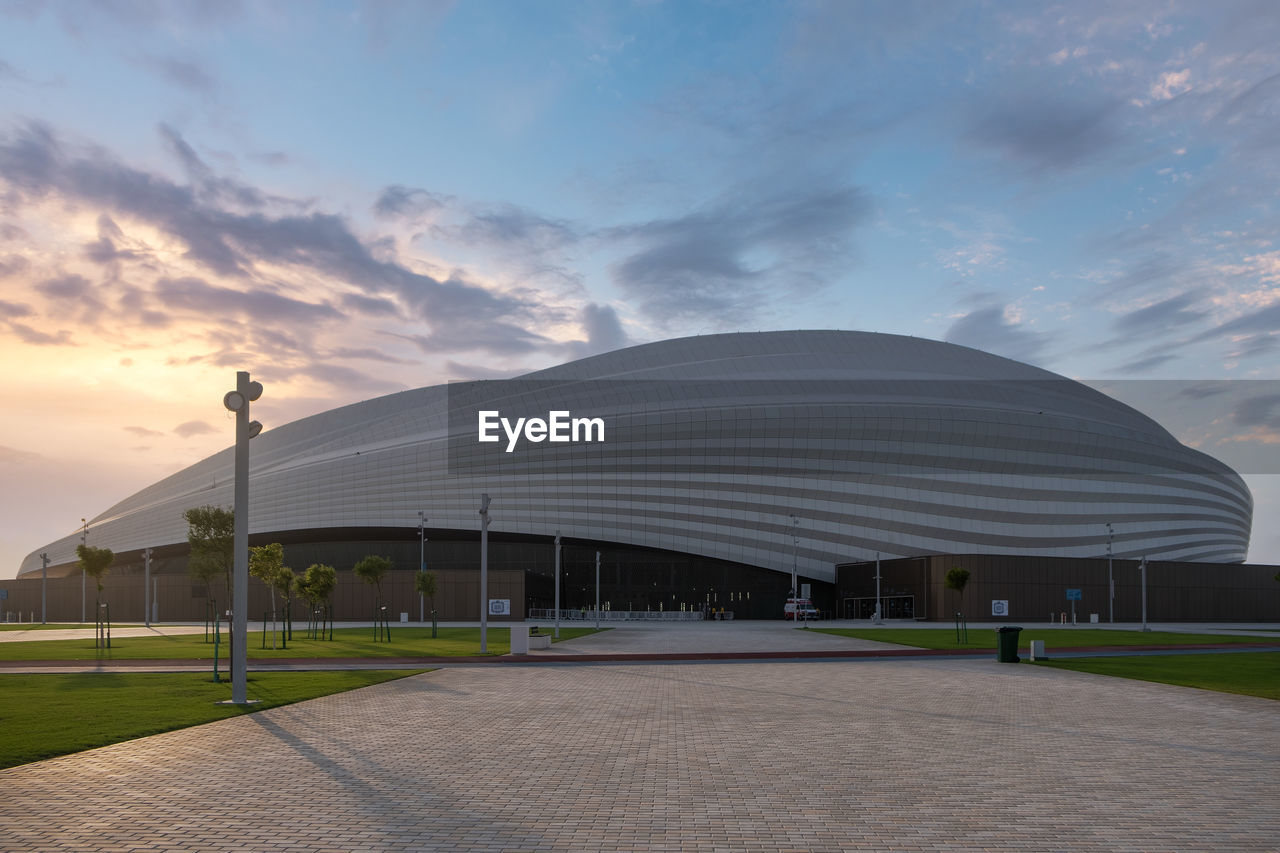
column 1170, row 84
column 143, row 432
column 10, row 310
column 258, row 305
column 603, row 330
column 406, row 202
column 12, row 454
column 184, row 73
column 369, row 305
column 28, row 335
column 990, row 330
column 1262, row 410
column 1045, row 130
column 1145, row 364
column 1161, row 316
column 511, row 228
column 188, row 429
column 719, row 264
column 1265, row 320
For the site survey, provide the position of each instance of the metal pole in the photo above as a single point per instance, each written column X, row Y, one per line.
column 84, row 540
column 597, row 590
column 155, row 599
column 557, row 584
column 1111, row 581
column 795, row 566
column 44, row 578
column 484, row 573
column 146, row 587
column 878, row 617
column 1143, row 568
column 421, row 562
column 240, row 567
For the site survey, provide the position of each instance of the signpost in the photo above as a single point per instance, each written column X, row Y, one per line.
column 1074, row 595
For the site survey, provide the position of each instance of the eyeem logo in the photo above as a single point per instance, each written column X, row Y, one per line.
column 558, row 427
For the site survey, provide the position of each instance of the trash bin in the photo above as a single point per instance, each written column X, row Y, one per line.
column 1007, row 643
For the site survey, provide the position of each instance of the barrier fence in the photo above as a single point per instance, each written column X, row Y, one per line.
column 549, row 615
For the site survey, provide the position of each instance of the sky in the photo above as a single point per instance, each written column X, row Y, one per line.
column 354, row 198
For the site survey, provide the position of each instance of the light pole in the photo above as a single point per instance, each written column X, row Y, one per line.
column 557, row 584
column 44, row 578
column 146, row 586
column 238, row 401
column 484, row 574
column 84, row 540
column 1142, row 567
column 878, row 618
column 795, row 567
column 597, row 590
column 1111, row 581
column 422, row 563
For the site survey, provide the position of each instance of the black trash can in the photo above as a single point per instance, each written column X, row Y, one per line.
column 1007, row 643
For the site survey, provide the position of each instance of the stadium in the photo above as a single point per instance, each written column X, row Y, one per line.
column 706, row 471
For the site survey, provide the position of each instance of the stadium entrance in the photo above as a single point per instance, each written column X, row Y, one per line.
column 891, row 607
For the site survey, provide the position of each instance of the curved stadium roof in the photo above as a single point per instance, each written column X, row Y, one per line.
column 877, row 443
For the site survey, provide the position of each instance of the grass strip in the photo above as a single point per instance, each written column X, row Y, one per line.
column 1249, row 674
column 346, row 643
column 42, row 716
column 985, row 638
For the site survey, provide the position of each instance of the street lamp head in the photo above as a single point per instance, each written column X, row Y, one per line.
column 255, row 390
column 234, row 401
column 255, row 427
column 484, row 504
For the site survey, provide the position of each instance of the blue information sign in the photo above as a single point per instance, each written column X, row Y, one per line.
column 1075, row 595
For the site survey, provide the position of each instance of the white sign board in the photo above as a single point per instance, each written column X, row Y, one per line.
column 499, row 607
column 999, row 607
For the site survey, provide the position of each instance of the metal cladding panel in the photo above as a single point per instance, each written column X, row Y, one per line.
column 877, row 443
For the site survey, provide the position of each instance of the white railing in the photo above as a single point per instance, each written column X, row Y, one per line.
column 549, row 615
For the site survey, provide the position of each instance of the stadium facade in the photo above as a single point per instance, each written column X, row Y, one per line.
column 721, row 464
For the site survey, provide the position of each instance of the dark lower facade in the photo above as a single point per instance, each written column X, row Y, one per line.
column 522, row 573
column 1035, row 589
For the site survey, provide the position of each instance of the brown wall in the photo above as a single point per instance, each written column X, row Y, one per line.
column 1037, row 586
column 183, row 600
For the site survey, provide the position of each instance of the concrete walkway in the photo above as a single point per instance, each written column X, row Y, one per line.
column 860, row 755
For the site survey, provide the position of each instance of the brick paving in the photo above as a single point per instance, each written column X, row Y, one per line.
column 926, row 754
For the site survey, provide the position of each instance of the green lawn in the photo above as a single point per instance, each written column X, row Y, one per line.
column 1251, row 674
column 985, row 638
column 46, row 715
column 346, row 643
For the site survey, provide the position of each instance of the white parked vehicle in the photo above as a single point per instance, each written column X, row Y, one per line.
column 799, row 608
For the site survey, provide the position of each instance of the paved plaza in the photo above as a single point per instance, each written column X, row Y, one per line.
column 922, row 754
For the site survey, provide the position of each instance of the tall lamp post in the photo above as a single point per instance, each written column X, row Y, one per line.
column 84, row 540
column 878, row 617
column 44, row 577
column 795, row 567
column 484, row 574
column 1111, row 580
column 1142, row 567
column 146, row 586
column 238, row 401
column 557, row 584
column 422, row 563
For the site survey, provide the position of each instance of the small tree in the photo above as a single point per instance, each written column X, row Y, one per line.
column 370, row 570
column 958, row 579
column 265, row 563
column 317, row 584
column 425, row 584
column 211, row 535
column 286, row 581
column 95, row 562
